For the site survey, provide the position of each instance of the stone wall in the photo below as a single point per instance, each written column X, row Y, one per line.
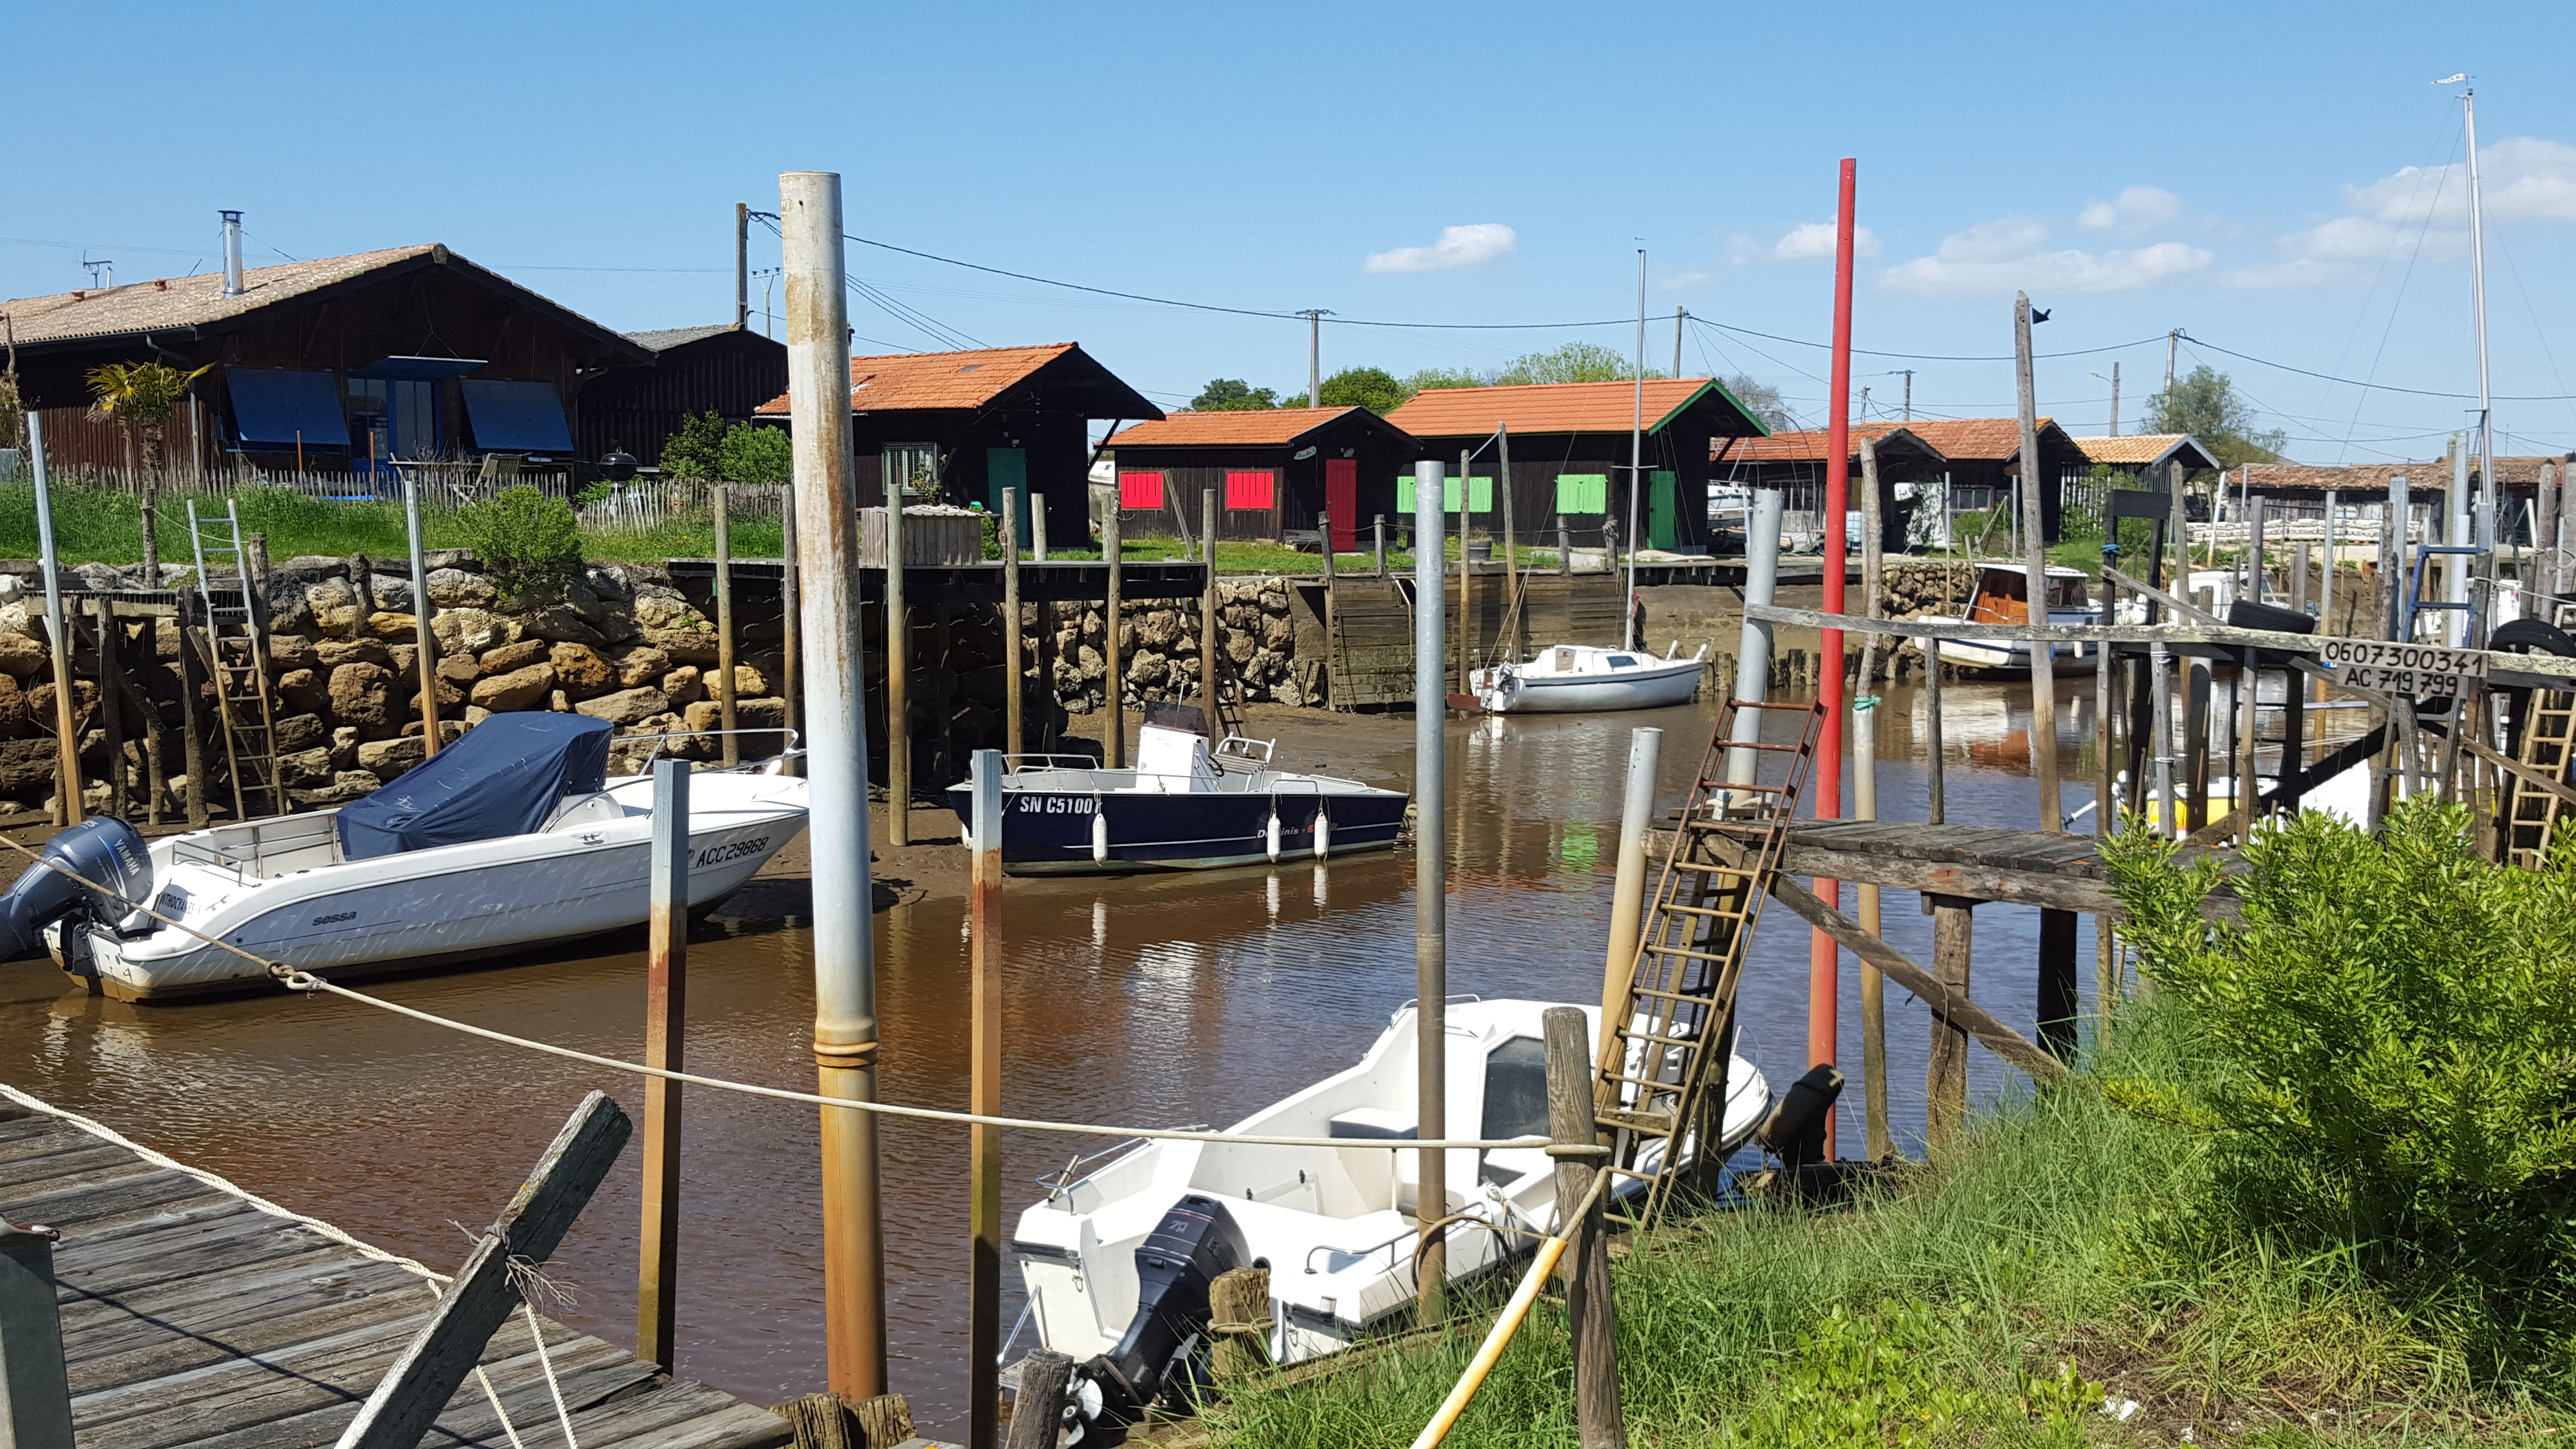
column 1159, row 648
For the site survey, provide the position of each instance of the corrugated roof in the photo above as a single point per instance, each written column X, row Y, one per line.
column 1565, row 407
column 922, row 381
column 1248, row 428
column 664, row 339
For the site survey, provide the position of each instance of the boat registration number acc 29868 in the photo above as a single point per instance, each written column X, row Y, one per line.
column 2417, row 670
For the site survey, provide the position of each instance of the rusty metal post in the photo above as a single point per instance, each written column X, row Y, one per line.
column 1207, row 618
column 1014, row 651
column 898, row 664
column 35, row 1392
column 67, row 774
column 1113, row 734
column 791, row 642
column 984, row 1098
column 724, row 624
column 1430, row 887
column 666, row 1011
column 424, row 640
column 845, row 1005
column 1591, row 1317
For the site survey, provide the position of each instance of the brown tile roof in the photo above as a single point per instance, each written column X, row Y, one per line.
column 1249, row 428
column 2141, row 449
column 924, row 381
column 2369, row 478
column 1566, row 407
column 1974, row 440
column 1811, row 445
column 184, row 301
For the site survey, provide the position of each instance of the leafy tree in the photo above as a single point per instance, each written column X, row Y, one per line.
column 1574, row 362
column 697, row 450
column 1233, row 395
column 1760, row 399
column 1373, row 388
column 2206, row 405
column 140, row 398
column 529, row 543
column 751, row 453
column 1431, row 379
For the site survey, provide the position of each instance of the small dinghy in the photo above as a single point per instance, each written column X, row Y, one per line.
column 1118, row 1257
column 1181, row 808
column 509, row 838
column 1578, row 678
column 2003, row 597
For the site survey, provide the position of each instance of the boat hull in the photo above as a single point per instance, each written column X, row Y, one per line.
column 1658, row 688
column 1051, row 832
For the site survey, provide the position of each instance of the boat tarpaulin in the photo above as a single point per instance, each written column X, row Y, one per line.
column 503, row 777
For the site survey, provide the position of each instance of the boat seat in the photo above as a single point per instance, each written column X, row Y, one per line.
column 1373, row 1124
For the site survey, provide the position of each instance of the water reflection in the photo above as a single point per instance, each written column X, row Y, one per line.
column 1157, row 1000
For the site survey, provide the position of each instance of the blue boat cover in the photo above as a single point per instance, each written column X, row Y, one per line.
column 274, row 405
column 501, row 778
column 516, row 416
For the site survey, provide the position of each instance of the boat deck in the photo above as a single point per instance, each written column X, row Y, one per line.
column 192, row 1317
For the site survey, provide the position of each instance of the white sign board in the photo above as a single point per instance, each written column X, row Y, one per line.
column 2415, row 670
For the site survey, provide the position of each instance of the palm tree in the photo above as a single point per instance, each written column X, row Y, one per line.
column 141, row 397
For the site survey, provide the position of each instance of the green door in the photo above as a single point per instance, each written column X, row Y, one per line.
column 1662, row 518
column 1008, row 468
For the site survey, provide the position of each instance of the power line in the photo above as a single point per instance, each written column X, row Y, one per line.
column 2374, row 386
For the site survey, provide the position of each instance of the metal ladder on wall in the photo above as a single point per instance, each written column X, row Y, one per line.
column 2548, row 745
column 1651, row 1088
column 228, row 635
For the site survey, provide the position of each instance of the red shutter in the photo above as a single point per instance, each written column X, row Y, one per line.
column 1342, row 502
column 1140, row 490
column 1248, row 490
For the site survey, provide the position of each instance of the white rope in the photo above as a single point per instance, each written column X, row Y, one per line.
column 563, row 1415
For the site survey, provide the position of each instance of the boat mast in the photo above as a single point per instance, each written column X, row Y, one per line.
column 2486, row 529
column 1636, row 462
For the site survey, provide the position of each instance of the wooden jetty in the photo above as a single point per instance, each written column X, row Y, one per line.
column 190, row 1316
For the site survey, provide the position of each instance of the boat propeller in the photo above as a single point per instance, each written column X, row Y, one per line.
column 1164, row 1353
column 105, row 850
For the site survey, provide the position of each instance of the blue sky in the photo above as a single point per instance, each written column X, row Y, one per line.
column 2238, row 171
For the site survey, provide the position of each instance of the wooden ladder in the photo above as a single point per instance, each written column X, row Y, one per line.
column 2548, row 745
column 229, row 639
column 1653, row 1085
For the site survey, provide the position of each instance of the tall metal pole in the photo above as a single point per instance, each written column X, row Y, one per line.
column 2115, row 408
column 1315, row 357
column 666, row 1016
column 984, row 1098
column 1114, row 549
column 845, row 997
column 2034, row 533
column 424, row 640
column 1824, row 958
column 1430, row 882
column 1762, row 522
column 791, row 686
column 1636, row 466
column 1678, row 314
column 1628, row 886
column 741, row 265
column 67, row 776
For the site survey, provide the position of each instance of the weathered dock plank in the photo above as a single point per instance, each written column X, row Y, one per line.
column 1982, row 863
column 192, row 1317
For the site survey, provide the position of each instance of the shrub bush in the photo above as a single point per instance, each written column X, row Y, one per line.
column 2392, row 1056
column 529, row 544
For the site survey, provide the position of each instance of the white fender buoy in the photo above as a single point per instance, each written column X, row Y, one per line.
column 1099, row 833
column 1323, row 833
column 1270, row 836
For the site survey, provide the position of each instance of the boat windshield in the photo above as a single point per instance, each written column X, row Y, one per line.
column 1516, row 1089
column 1623, row 661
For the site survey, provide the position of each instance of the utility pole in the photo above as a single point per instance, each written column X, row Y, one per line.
column 1909, row 392
column 2170, row 339
column 1314, row 357
column 1678, row 314
column 2114, row 380
column 741, row 265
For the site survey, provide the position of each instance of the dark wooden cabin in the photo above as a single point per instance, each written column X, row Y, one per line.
column 1979, row 462
column 1274, row 471
column 413, row 352
column 1570, row 447
column 1794, row 465
column 725, row 370
column 970, row 424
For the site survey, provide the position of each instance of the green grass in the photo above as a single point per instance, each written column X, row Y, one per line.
column 2050, row 1236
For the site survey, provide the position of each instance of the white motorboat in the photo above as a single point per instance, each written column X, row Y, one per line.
column 2003, row 597
column 511, row 837
column 1579, row 678
column 1336, row 1225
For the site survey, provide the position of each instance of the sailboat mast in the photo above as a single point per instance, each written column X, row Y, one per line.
column 2484, row 532
column 1636, row 461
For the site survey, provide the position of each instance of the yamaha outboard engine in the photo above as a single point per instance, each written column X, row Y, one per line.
column 105, row 850
column 1165, row 1345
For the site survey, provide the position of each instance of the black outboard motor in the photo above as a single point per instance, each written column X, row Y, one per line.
column 1162, row 1348
column 105, row 850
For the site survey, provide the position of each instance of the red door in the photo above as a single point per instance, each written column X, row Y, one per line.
column 1342, row 502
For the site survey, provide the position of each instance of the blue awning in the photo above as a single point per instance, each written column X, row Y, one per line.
column 273, row 405
column 417, row 369
column 516, row 416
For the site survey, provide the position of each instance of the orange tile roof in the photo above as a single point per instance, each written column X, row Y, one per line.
column 1989, row 440
column 1565, row 407
column 1807, row 445
column 923, row 381
column 1253, row 427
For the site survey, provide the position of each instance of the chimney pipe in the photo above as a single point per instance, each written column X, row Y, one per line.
column 232, row 254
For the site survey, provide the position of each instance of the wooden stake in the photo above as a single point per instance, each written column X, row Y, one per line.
column 791, row 642
column 898, row 651
column 1877, row 1140
column 1037, row 1416
column 666, row 1014
column 111, row 711
column 1239, row 1320
column 1591, row 1316
column 35, row 1392
column 2057, row 998
column 984, row 1098
column 1945, row 1088
column 724, row 624
column 1509, row 648
column 2043, row 668
column 1113, row 734
column 192, row 678
column 1466, row 573
column 1207, row 619
column 1014, row 651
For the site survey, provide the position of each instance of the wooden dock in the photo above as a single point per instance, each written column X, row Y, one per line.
column 192, row 1317
column 1966, row 862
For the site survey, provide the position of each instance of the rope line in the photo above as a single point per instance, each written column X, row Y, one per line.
column 294, row 979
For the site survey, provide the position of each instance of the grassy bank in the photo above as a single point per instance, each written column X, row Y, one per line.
column 2315, row 1192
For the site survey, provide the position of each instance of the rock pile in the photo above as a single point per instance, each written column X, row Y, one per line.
column 1159, row 648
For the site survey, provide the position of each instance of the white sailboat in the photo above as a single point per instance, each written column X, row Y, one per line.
column 1579, row 679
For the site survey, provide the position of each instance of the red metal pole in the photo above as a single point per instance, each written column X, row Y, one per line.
column 1824, row 960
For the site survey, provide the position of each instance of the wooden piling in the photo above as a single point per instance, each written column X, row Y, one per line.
column 111, row 711
column 1037, row 1414
column 1113, row 732
column 1239, row 1322
column 35, row 1390
column 1381, row 545
column 1509, row 644
column 1945, row 1088
column 2057, row 993
column 1466, row 572
column 1877, row 1141
column 1014, row 652
column 984, row 1098
column 1037, row 528
column 791, row 642
column 2248, row 787
column 1207, row 618
column 898, row 651
column 192, row 679
column 2198, row 694
column 2043, row 667
column 725, row 624
column 424, row 639
column 666, row 1003
column 1590, row 1314
column 156, row 778
column 67, row 772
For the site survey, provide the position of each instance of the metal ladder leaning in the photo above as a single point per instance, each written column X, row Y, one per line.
column 237, row 658
column 2549, row 745
column 1651, row 1088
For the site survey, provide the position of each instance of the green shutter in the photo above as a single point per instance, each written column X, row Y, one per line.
column 1480, row 494
column 1582, row 492
column 1009, row 468
column 1404, row 493
column 1662, row 527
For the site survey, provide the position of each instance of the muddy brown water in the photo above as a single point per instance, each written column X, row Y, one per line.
column 1162, row 1001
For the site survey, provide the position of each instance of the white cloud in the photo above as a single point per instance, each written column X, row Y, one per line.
column 2135, row 208
column 1816, row 239
column 1473, row 245
column 2523, row 179
column 2012, row 254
